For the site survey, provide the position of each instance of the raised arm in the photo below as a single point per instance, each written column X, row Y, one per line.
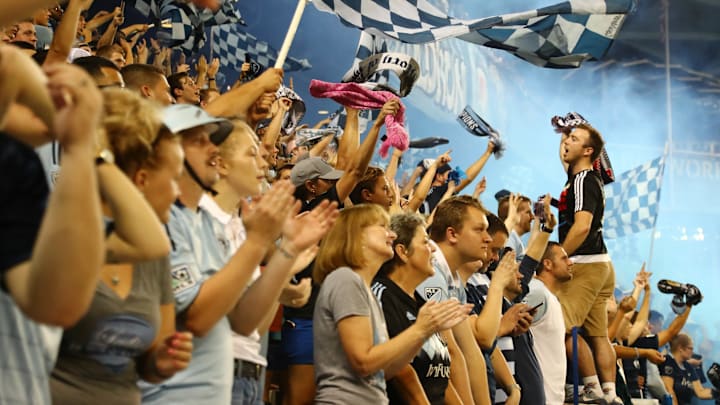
column 392, row 167
column 319, row 147
column 101, row 18
column 65, row 33
column 424, row 187
column 138, row 235
column 356, row 169
column 474, row 169
column 46, row 289
column 641, row 321
column 675, row 327
column 272, row 133
column 238, row 101
column 407, row 188
column 108, row 37
column 626, row 305
column 23, row 93
column 350, row 141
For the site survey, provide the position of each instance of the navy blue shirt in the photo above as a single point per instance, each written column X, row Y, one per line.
column 683, row 377
column 432, row 363
column 23, row 198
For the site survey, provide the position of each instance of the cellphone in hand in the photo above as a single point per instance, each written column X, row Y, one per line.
column 539, row 210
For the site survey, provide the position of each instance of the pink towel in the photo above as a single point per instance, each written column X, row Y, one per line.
column 356, row 96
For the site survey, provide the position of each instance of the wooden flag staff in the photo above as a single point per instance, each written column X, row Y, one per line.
column 294, row 23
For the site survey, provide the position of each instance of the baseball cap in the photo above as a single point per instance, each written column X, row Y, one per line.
column 181, row 117
column 313, row 168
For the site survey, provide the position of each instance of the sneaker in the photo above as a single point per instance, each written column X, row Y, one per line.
column 591, row 396
column 613, row 401
column 586, row 393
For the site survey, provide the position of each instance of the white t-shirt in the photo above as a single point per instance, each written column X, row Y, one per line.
column 548, row 329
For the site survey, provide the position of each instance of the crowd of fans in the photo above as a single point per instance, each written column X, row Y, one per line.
column 165, row 242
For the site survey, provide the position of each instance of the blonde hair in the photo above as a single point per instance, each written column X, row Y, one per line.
column 231, row 143
column 343, row 245
column 131, row 124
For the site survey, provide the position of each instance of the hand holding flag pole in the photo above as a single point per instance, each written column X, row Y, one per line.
column 294, row 23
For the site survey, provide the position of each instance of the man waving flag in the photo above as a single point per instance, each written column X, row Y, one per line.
column 559, row 36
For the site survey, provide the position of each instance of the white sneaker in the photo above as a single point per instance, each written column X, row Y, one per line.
column 587, row 395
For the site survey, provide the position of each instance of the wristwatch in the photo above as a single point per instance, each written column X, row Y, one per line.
column 545, row 228
column 104, row 156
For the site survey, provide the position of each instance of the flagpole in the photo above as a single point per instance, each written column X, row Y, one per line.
column 294, row 23
column 666, row 152
column 212, row 35
column 668, row 114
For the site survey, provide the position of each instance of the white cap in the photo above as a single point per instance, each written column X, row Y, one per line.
column 181, row 117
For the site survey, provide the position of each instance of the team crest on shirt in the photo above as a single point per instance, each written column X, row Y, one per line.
column 182, row 279
column 409, row 316
column 669, row 370
column 432, row 293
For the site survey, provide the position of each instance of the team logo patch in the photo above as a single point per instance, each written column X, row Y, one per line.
column 432, row 293
column 182, row 279
column 410, row 316
column 668, row 370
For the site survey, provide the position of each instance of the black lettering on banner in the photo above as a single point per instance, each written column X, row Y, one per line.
column 404, row 66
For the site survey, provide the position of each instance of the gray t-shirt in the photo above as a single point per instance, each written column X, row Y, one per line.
column 343, row 294
column 97, row 360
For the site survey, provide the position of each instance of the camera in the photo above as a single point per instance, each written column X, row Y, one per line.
column 685, row 294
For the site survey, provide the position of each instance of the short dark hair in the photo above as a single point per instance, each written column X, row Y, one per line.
column 548, row 254
column 367, row 182
column 175, row 81
column 137, row 75
column 452, row 213
column 595, row 140
column 94, row 64
column 495, row 225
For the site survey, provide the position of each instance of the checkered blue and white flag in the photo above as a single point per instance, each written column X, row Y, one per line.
column 368, row 45
column 631, row 202
column 148, row 8
column 230, row 44
column 559, row 36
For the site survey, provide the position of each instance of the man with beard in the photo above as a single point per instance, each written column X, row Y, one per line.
column 548, row 327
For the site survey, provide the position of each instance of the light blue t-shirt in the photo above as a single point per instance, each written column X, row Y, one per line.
column 199, row 250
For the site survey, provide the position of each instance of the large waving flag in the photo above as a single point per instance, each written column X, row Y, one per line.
column 182, row 25
column 231, row 44
column 559, row 36
column 631, row 202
